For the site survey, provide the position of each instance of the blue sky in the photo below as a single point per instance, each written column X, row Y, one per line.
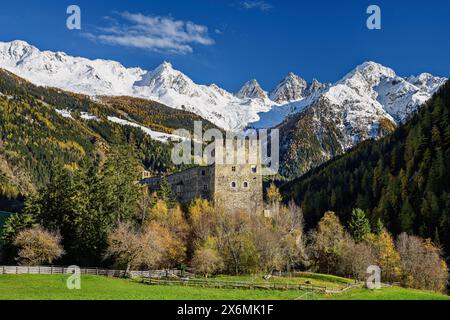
column 230, row 42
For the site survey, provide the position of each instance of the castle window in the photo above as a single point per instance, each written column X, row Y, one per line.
column 233, row 184
column 203, row 173
column 254, row 169
column 233, row 169
column 205, row 187
column 245, row 184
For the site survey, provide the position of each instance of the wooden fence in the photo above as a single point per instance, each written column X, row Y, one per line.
column 89, row 271
column 174, row 277
column 245, row 285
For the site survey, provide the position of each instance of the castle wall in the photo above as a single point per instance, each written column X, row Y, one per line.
column 187, row 185
column 233, row 187
column 239, row 187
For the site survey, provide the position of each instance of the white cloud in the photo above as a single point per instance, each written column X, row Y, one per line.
column 256, row 4
column 155, row 33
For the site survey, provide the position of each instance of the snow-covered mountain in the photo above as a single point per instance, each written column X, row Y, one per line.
column 252, row 90
column 368, row 102
column 57, row 69
column 105, row 77
column 291, row 88
column 317, row 121
column 369, row 89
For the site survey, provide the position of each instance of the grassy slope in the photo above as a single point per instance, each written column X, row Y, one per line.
column 394, row 293
column 53, row 287
column 43, row 287
column 320, row 280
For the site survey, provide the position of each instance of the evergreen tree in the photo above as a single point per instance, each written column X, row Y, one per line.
column 359, row 225
column 117, row 179
column 407, row 217
column 379, row 227
column 12, row 227
column 165, row 193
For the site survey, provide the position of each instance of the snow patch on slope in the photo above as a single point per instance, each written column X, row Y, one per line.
column 64, row 113
column 155, row 135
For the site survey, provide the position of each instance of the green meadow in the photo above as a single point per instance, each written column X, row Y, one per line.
column 53, row 287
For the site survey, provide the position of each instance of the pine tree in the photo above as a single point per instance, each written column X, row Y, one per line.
column 407, row 217
column 165, row 193
column 379, row 227
column 359, row 225
column 118, row 178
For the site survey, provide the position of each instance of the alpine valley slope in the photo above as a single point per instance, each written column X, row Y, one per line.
column 317, row 121
column 402, row 179
column 38, row 133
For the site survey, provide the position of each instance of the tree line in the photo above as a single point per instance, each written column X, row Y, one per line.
column 103, row 218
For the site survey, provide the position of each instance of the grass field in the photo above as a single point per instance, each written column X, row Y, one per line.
column 53, row 287
column 394, row 293
column 320, row 280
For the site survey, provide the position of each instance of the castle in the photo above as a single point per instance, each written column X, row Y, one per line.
column 234, row 187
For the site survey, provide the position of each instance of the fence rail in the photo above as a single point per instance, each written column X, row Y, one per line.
column 173, row 277
column 89, row 271
column 235, row 284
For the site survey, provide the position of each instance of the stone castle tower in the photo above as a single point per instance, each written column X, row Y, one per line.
column 233, row 187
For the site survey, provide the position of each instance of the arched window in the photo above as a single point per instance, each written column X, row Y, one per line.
column 245, row 184
column 233, row 184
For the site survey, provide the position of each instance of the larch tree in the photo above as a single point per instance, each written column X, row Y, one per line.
column 326, row 243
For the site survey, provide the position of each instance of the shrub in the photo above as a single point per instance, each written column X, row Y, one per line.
column 38, row 246
column 421, row 264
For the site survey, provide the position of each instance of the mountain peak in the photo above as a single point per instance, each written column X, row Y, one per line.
column 291, row 88
column 252, row 89
column 164, row 67
column 373, row 71
column 291, row 75
column 367, row 75
column 15, row 46
column 17, row 43
column 426, row 82
column 164, row 73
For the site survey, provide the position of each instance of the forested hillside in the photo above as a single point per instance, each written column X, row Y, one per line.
column 402, row 179
column 34, row 138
